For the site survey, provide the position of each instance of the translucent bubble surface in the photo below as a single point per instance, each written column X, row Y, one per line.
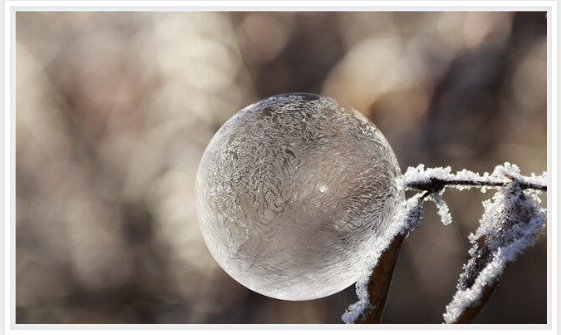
column 292, row 192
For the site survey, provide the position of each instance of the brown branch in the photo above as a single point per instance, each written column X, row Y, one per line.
column 434, row 185
column 470, row 313
column 467, row 279
column 379, row 282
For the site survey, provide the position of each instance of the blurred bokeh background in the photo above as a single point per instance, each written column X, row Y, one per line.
column 114, row 111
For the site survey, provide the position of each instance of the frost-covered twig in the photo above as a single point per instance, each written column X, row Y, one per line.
column 442, row 207
column 436, row 179
column 494, row 247
column 372, row 287
column 512, row 222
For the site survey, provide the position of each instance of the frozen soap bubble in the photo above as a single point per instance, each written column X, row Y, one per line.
column 292, row 192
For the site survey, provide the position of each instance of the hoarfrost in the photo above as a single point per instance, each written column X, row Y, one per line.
column 416, row 178
column 434, row 181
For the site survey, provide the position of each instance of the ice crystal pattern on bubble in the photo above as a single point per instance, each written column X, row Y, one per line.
column 292, row 192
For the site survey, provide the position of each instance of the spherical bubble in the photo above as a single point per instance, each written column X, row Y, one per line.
column 292, row 192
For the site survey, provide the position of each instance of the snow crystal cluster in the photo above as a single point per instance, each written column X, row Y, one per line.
column 512, row 172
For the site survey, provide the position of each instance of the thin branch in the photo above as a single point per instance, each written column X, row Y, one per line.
column 436, row 179
column 434, row 184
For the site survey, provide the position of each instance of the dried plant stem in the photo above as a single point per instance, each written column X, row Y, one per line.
column 379, row 282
